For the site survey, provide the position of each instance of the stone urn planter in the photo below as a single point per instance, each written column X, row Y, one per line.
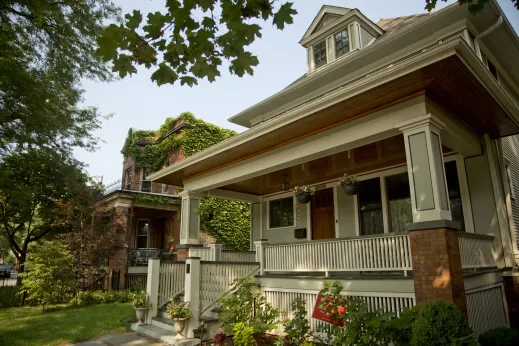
column 304, row 198
column 141, row 315
column 179, row 324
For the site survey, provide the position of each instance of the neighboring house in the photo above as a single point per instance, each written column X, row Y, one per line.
column 425, row 110
column 145, row 214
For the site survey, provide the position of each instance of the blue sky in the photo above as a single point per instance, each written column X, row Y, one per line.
column 137, row 102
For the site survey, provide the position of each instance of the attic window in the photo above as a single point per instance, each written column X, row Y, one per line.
column 342, row 43
column 320, row 54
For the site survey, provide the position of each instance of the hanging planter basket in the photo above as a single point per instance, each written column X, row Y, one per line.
column 304, row 198
column 351, row 189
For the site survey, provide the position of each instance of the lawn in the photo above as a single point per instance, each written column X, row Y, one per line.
column 27, row 326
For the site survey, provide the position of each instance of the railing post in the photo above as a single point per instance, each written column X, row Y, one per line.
column 192, row 293
column 260, row 253
column 216, row 252
column 152, row 289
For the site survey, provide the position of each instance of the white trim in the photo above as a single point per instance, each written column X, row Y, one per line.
column 309, row 221
column 385, row 204
column 294, row 211
column 466, row 205
column 356, row 214
column 336, row 211
column 346, row 293
column 261, row 217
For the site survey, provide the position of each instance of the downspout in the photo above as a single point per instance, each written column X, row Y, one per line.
column 493, row 27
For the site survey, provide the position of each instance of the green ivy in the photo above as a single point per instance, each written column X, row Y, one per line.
column 156, row 199
column 149, row 149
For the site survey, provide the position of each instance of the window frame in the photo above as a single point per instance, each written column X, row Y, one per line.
column 128, row 173
column 510, row 180
column 334, row 40
column 326, row 59
column 137, row 234
column 276, row 198
column 143, row 179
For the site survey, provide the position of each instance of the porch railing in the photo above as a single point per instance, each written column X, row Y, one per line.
column 171, row 281
column 140, row 257
column 238, row 256
column 203, row 252
column 476, row 250
column 388, row 252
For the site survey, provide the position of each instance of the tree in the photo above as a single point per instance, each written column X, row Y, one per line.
column 35, row 188
column 46, row 48
column 474, row 6
column 191, row 39
column 52, row 275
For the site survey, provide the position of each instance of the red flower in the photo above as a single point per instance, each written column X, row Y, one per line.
column 341, row 310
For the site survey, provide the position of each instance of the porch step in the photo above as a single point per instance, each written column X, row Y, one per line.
column 209, row 319
column 163, row 336
column 164, row 323
column 218, row 309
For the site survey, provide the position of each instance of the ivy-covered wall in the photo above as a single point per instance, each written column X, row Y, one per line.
column 230, row 224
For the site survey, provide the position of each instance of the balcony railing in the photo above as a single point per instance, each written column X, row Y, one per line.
column 144, row 186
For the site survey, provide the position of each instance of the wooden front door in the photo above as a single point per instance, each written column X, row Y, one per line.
column 323, row 215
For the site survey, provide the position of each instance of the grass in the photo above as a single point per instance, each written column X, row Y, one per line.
column 62, row 324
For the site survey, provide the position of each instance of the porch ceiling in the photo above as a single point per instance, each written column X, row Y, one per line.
column 372, row 157
column 448, row 82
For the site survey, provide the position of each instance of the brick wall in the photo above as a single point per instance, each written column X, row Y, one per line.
column 437, row 267
column 118, row 255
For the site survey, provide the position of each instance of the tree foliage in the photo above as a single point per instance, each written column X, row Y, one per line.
column 52, row 274
column 474, row 6
column 40, row 193
column 46, row 48
column 191, row 39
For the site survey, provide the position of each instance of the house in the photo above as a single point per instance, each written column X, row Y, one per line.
column 144, row 214
column 424, row 109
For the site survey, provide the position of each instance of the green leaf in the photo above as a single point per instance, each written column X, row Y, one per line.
column 190, row 81
column 285, row 15
column 123, row 65
column 133, row 21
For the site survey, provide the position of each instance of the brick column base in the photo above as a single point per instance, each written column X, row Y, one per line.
column 437, row 267
column 511, row 284
column 182, row 254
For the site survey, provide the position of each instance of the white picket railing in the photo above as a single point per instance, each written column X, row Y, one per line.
column 203, row 252
column 373, row 253
column 238, row 256
column 171, row 281
column 477, row 251
column 216, row 279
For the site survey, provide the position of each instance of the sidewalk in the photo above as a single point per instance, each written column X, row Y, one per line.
column 120, row 339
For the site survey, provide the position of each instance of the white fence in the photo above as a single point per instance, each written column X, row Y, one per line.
column 486, row 308
column 204, row 253
column 477, row 251
column 216, row 279
column 375, row 253
column 171, row 281
column 238, row 256
column 282, row 299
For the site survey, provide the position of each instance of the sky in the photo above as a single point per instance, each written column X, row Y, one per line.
column 137, row 102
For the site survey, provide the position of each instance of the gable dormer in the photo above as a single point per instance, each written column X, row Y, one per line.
column 335, row 33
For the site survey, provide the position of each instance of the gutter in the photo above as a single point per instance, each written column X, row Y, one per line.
column 490, row 29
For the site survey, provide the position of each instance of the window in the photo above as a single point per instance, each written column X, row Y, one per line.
column 320, row 54
column 142, row 234
column 370, row 207
column 453, row 184
column 165, row 188
column 491, row 68
column 128, row 179
column 510, row 181
column 342, row 43
column 399, row 202
column 281, row 213
column 145, row 184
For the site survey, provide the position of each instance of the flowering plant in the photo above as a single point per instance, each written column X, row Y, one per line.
column 141, row 300
column 349, row 180
column 179, row 310
column 304, row 190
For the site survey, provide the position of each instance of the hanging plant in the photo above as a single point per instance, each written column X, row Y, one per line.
column 350, row 184
column 304, row 193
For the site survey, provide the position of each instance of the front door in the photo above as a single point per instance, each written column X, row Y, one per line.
column 323, row 215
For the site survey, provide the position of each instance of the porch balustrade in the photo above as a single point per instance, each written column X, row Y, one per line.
column 171, row 281
column 238, row 256
column 477, row 251
column 140, row 257
column 371, row 253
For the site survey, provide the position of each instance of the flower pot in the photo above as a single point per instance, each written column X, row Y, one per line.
column 351, row 189
column 141, row 315
column 179, row 324
column 303, row 199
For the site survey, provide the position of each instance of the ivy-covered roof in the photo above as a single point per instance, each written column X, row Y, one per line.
column 150, row 149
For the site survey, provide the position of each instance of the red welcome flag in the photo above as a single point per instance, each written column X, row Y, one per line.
column 321, row 314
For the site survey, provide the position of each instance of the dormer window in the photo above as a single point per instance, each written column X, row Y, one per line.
column 320, row 54
column 342, row 43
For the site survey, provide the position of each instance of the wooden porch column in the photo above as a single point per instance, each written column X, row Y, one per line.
column 190, row 220
column 433, row 236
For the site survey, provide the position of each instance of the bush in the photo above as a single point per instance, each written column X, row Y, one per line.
column 85, row 298
column 298, row 329
column 500, row 337
column 10, row 297
column 440, row 323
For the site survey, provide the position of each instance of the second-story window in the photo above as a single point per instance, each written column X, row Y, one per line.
column 128, row 179
column 320, row 54
column 342, row 43
column 145, row 184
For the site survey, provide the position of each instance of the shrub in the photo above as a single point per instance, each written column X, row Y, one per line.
column 51, row 276
column 500, row 337
column 298, row 329
column 440, row 323
column 85, row 298
column 10, row 297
